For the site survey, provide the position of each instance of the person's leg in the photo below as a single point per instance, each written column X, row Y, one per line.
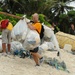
column 35, row 59
column 9, row 46
column 37, row 55
column 9, row 40
column 4, row 40
column 3, row 47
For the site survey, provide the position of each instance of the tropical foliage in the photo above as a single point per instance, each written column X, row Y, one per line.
column 50, row 10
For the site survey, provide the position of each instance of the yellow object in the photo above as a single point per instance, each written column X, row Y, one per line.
column 37, row 26
column 64, row 38
column 10, row 26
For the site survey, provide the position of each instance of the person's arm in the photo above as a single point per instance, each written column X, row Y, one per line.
column 31, row 27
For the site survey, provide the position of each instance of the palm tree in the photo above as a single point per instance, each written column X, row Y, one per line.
column 48, row 7
column 12, row 6
column 27, row 6
column 61, row 7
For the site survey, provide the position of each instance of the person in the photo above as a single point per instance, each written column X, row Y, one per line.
column 55, row 27
column 72, row 29
column 36, row 25
column 6, row 37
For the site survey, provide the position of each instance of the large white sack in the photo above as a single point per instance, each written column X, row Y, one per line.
column 46, row 46
column 49, row 33
column 43, row 46
column 15, row 45
column 32, row 40
column 55, row 42
column 50, row 46
column 19, row 31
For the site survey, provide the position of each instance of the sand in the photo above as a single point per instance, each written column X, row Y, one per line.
column 18, row 66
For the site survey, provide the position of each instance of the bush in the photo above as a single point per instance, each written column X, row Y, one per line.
column 12, row 20
column 42, row 19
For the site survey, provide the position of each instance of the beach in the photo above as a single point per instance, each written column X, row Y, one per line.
column 11, row 65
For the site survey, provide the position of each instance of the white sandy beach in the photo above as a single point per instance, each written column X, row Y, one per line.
column 26, row 66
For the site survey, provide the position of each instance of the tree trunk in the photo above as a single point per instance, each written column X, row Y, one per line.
column 4, row 13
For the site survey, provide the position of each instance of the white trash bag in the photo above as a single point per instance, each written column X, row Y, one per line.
column 32, row 40
column 43, row 46
column 47, row 31
column 50, row 46
column 46, row 46
column 55, row 42
column 15, row 45
column 19, row 30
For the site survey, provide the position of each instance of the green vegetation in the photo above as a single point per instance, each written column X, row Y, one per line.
column 49, row 11
column 12, row 20
column 42, row 19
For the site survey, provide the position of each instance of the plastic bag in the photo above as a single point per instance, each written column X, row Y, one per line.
column 49, row 34
column 55, row 42
column 32, row 40
column 50, row 45
column 19, row 30
column 47, row 31
column 15, row 45
column 44, row 46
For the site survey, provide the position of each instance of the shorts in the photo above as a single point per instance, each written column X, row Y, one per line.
column 6, row 36
column 35, row 50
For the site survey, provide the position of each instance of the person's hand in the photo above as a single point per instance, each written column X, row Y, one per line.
column 22, row 18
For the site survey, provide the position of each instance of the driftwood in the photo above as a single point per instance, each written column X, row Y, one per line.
column 4, row 13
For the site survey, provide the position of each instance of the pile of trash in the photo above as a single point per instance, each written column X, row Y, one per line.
column 25, row 39
column 16, row 49
column 55, row 63
column 30, row 38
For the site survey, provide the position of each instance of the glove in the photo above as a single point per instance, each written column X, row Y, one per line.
column 30, row 22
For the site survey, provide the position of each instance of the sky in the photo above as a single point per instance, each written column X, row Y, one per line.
column 72, row 4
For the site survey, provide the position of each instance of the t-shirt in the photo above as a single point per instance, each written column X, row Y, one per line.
column 10, row 26
column 37, row 26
